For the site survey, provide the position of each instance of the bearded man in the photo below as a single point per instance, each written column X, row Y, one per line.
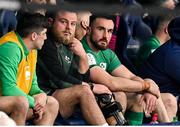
column 106, row 68
column 64, row 57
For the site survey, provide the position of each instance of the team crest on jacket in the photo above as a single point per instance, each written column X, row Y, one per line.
column 103, row 65
column 67, row 59
column 91, row 59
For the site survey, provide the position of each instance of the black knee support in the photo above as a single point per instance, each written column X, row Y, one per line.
column 111, row 108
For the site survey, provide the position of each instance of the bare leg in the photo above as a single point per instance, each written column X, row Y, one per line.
column 122, row 99
column 162, row 112
column 170, row 103
column 133, row 102
column 50, row 112
column 68, row 98
column 16, row 106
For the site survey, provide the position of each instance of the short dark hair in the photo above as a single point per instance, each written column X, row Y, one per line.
column 163, row 18
column 31, row 22
column 109, row 17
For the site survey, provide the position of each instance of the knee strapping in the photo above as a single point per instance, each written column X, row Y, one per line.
column 111, row 108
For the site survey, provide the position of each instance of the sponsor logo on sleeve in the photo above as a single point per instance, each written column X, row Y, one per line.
column 91, row 59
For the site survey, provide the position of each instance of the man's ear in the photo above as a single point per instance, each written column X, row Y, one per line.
column 84, row 25
column 34, row 36
column 50, row 21
column 166, row 30
column 88, row 30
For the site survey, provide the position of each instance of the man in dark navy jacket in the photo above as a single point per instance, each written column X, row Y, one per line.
column 163, row 65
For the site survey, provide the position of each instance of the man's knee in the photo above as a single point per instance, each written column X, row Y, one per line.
column 134, row 98
column 120, row 95
column 86, row 91
column 122, row 99
column 133, row 102
column 169, row 101
column 52, row 104
column 137, row 98
column 76, row 92
column 21, row 104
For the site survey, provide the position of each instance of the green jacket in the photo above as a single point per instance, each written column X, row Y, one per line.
column 146, row 50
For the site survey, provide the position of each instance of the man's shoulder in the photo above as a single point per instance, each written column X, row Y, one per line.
column 48, row 46
column 108, row 51
column 148, row 46
column 11, row 51
column 165, row 48
column 9, row 46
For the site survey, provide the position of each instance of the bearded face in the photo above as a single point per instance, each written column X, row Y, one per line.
column 101, row 44
column 64, row 37
column 100, row 33
column 63, row 27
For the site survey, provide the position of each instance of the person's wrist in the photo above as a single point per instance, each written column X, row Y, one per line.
column 44, row 97
column 145, row 86
column 83, row 56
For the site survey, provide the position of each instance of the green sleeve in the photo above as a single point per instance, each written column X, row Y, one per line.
column 146, row 50
column 10, row 56
column 114, row 61
column 35, row 88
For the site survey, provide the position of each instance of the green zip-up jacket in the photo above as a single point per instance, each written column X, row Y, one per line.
column 12, row 81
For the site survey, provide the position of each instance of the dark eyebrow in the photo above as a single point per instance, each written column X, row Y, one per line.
column 104, row 28
column 110, row 29
column 62, row 19
column 101, row 27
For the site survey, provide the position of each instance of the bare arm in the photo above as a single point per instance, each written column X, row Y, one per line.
column 98, row 75
column 121, row 83
column 78, row 49
column 122, row 71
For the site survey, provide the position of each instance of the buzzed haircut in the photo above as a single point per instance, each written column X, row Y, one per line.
column 31, row 22
column 163, row 18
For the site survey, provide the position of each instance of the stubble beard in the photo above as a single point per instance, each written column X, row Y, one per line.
column 61, row 38
column 96, row 45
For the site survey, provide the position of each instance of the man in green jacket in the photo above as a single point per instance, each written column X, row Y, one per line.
column 161, row 36
column 18, row 58
column 105, row 68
